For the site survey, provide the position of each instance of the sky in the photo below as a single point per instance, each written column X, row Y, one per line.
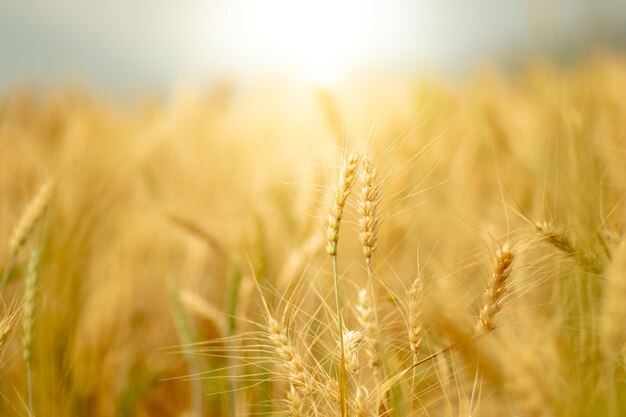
column 138, row 44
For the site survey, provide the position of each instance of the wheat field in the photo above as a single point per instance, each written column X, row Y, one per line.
column 408, row 248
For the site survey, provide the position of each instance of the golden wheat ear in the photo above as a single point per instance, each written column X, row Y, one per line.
column 301, row 385
column 369, row 327
column 561, row 241
column 347, row 177
column 415, row 332
column 23, row 229
column 33, row 212
column 368, row 208
column 492, row 297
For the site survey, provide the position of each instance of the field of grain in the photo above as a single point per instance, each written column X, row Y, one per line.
column 414, row 248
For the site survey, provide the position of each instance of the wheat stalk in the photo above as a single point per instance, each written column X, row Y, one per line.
column 28, row 320
column 347, row 176
column 187, row 336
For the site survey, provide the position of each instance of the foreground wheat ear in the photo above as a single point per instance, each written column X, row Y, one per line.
column 347, row 176
column 492, row 297
column 368, row 208
column 299, row 397
column 369, row 220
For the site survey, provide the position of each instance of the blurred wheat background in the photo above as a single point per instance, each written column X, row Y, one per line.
column 278, row 241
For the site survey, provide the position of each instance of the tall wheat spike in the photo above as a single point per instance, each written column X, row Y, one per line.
column 347, row 176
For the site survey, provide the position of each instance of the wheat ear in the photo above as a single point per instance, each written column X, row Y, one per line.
column 562, row 242
column 24, row 227
column 492, row 297
column 347, row 176
column 415, row 317
column 368, row 208
column 369, row 327
column 30, row 217
column 295, row 404
column 352, row 342
column 292, row 361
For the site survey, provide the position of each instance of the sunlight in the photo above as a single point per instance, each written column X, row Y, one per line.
column 317, row 41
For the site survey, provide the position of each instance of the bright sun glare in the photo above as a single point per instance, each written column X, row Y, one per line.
column 319, row 41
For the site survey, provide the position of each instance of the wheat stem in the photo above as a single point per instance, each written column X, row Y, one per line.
column 347, row 176
column 28, row 319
